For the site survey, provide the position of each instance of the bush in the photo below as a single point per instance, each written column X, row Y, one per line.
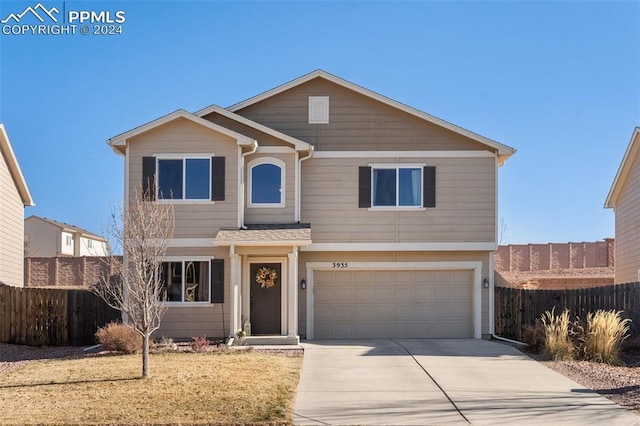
column 120, row 338
column 605, row 332
column 534, row 337
column 557, row 344
column 200, row 344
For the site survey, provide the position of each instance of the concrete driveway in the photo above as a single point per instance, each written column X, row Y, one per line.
column 425, row 381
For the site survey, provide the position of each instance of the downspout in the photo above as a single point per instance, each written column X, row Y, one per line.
column 241, row 196
column 298, row 207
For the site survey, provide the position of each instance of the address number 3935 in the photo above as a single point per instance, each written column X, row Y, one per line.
column 340, row 265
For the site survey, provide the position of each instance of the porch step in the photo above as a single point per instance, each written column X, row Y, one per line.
column 271, row 340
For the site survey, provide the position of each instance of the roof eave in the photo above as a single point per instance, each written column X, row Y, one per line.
column 298, row 144
column 120, row 141
column 14, row 169
column 279, row 243
column 504, row 150
column 623, row 170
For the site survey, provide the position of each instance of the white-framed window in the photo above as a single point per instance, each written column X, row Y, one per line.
column 266, row 182
column 184, row 178
column 89, row 243
column 186, row 280
column 396, row 186
column 68, row 240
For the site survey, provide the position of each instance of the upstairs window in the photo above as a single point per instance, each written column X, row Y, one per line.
column 266, row 182
column 190, row 178
column 184, row 179
column 397, row 187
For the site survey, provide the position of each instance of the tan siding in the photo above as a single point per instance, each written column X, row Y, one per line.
column 465, row 203
column 627, row 245
column 195, row 220
column 390, row 257
column 211, row 320
column 45, row 239
column 257, row 215
column 262, row 138
column 11, row 229
column 356, row 122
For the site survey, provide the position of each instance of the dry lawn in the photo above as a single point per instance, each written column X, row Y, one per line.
column 185, row 388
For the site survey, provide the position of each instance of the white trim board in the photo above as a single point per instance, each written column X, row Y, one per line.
column 475, row 266
column 403, row 154
column 479, row 246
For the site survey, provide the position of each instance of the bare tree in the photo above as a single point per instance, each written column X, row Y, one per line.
column 142, row 231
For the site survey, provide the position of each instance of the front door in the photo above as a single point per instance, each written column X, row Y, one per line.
column 266, row 290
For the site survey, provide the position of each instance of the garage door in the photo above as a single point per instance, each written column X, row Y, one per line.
column 402, row 304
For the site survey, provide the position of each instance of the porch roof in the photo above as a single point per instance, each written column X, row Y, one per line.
column 294, row 234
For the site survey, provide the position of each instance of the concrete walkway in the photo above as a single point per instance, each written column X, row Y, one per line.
column 444, row 381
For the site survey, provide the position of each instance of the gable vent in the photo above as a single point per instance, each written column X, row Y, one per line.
column 318, row 109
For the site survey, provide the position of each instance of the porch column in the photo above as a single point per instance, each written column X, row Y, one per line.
column 234, row 269
column 292, row 299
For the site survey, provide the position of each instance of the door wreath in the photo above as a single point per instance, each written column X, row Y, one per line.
column 266, row 277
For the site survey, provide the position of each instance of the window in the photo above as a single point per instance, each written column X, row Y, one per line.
column 266, row 178
column 396, row 186
column 69, row 240
column 186, row 280
column 184, row 179
column 89, row 243
column 174, row 177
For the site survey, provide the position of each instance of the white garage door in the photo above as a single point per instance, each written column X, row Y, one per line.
column 401, row 304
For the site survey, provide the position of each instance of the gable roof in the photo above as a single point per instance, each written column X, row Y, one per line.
column 630, row 157
column 297, row 143
column 119, row 142
column 14, row 168
column 66, row 227
column 504, row 151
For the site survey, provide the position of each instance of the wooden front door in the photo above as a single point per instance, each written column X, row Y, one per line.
column 265, row 299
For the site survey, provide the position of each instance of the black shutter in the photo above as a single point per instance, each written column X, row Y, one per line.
column 149, row 178
column 217, row 178
column 429, row 186
column 217, row 281
column 364, row 178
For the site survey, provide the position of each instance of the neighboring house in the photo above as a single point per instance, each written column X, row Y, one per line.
column 321, row 209
column 48, row 238
column 624, row 199
column 14, row 197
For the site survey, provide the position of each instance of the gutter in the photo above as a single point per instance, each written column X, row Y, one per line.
column 298, row 205
column 241, row 197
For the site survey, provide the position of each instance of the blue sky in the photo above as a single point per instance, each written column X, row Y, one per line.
column 559, row 81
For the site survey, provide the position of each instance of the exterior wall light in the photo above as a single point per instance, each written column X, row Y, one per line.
column 485, row 283
column 303, row 284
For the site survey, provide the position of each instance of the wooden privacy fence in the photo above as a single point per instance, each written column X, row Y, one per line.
column 51, row 317
column 516, row 308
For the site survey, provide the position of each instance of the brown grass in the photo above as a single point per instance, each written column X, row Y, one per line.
column 558, row 344
column 185, row 388
column 606, row 330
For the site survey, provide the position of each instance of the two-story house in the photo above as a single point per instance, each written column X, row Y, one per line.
column 14, row 197
column 321, row 209
column 48, row 238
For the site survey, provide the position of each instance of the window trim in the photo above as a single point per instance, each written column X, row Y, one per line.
column 183, row 259
column 184, row 158
column 397, row 167
column 283, row 183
